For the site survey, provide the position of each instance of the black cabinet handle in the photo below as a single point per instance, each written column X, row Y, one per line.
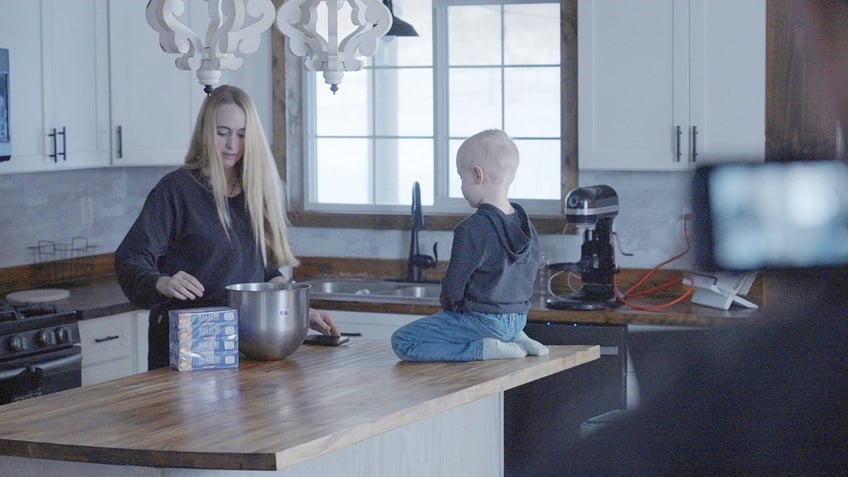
column 694, row 143
column 120, row 149
column 678, row 143
column 55, row 152
column 108, row 338
column 54, row 134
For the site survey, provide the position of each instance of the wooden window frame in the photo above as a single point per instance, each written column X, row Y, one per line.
column 290, row 155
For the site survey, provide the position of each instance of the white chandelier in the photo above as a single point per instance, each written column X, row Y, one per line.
column 235, row 27
column 226, row 36
column 297, row 20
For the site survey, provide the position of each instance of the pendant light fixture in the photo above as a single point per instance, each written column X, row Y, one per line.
column 297, row 19
column 229, row 34
column 235, row 27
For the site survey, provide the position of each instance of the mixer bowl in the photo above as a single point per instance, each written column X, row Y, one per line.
column 273, row 318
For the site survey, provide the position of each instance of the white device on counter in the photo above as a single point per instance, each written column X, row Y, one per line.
column 721, row 289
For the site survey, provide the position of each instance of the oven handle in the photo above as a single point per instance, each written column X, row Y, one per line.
column 46, row 366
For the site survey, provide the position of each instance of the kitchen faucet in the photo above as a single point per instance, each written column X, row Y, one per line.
column 417, row 261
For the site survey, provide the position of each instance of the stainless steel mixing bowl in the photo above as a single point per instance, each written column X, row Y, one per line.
column 273, row 318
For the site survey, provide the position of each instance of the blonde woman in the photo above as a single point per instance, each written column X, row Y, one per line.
column 215, row 221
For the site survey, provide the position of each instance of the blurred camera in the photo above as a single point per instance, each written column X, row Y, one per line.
column 772, row 215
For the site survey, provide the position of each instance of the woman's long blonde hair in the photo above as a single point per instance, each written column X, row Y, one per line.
column 257, row 172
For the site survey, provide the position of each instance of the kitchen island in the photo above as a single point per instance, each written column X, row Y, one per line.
column 348, row 410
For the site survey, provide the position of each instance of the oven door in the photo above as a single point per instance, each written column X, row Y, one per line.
column 39, row 374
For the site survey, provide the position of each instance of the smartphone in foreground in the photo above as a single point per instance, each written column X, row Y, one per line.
column 772, row 215
column 325, row 340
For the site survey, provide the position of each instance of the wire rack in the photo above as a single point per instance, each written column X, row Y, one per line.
column 55, row 262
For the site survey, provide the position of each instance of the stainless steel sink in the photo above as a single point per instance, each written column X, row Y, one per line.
column 349, row 287
column 426, row 291
column 375, row 290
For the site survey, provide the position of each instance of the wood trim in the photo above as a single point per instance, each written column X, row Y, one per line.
column 543, row 224
column 55, row 273
column 802, row 112
column 568, row 101
column 279, row 45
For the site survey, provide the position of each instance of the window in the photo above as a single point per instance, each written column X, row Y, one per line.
column 477, row 64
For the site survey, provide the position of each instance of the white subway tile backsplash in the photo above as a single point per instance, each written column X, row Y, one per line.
column 48, row 206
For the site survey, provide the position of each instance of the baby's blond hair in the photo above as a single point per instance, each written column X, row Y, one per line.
column 493, row 151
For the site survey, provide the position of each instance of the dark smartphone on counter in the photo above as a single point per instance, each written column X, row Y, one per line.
column 325, row 340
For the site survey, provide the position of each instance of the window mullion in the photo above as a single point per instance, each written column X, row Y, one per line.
column 441, row 111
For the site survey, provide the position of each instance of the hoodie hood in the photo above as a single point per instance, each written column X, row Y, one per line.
column 515, row 232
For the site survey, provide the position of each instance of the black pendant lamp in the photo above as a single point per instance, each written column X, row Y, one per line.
column 399, row 27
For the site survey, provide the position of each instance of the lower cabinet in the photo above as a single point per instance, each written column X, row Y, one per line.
column 542, row 419
column 113, row 346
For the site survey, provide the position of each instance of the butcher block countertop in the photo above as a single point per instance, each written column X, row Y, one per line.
column 263, row 415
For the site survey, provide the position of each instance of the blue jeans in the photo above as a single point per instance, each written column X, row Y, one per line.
column 452, row 336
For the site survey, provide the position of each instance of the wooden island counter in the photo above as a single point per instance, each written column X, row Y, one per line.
column 348, row 410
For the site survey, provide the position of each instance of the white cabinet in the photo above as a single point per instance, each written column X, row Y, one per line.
column 378, row 326
column 112, row 347
column 665, row 83
column 94, row 72
column 154, row 104
column 58, row 82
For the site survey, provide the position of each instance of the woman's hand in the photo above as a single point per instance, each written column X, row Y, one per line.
column 321, row 321
column 181, row 286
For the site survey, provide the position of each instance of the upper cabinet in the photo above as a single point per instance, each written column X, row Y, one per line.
column 666, row 84
column 153, row 103
column 58, row 84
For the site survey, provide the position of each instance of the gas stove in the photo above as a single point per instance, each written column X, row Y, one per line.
column 39, row 351
column 36, row 328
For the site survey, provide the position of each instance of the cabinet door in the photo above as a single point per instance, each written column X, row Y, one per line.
column 20, row 23
column 76, row 82
column 632, row 83
column 152, row 110
column 108, row 347
column 58, row 78
column 666, row 83
column 728, row 79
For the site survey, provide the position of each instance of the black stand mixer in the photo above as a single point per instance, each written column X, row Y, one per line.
column 591, row 209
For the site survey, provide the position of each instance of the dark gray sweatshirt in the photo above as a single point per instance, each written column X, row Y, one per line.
column 178, row 229
column 493, row 263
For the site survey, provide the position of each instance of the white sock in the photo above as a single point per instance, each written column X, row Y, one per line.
column 533, row 347
column 497, row 349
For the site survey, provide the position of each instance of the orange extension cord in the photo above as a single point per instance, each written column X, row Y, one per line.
column 623, row 297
